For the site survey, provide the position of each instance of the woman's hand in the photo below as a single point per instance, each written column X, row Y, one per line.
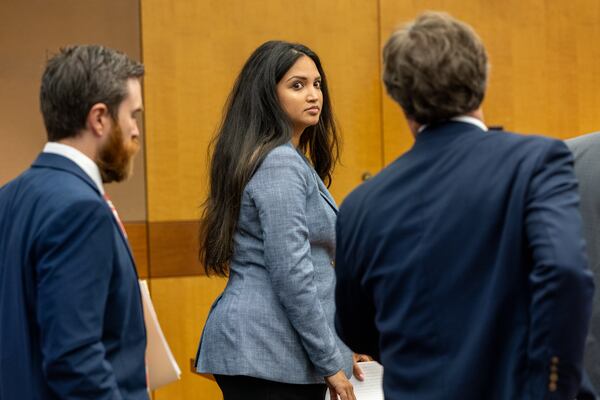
column 356, row 371
column 339, row 385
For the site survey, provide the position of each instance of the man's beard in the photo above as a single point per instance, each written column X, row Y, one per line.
column 115, row 158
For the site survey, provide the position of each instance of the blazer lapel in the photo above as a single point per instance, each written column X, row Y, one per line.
column 325, row 193
column 320, row 185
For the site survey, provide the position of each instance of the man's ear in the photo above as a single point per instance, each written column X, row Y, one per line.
column 99, row 119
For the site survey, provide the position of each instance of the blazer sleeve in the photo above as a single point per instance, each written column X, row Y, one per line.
column 355, row 312
column 75, row 257
column 279, row 190
column 562, row 285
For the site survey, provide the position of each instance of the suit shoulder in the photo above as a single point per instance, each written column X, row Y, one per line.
column 590, row 139
column 283, row 166
column 367, row 191
column 522, row 139
column 283, row 160
column 518, row 146
column 70, row 187
column 51, row 189
column 281, row 156
column 357, row 197
column 51, row 200
column 585, row 146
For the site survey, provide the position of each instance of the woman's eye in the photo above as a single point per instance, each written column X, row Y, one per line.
column 318, row 84
column 297, row 85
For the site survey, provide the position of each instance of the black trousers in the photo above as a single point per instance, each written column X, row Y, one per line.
column 248, row 388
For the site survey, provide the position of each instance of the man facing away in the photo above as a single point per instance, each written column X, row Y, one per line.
column 72, row 325
column 461, row 265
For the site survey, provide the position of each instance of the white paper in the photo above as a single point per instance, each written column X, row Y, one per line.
column 161, row 365
column 371, row 388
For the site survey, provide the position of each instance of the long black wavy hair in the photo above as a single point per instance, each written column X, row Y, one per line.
column 253, row 124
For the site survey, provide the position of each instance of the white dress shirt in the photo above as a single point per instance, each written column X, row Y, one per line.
column 470, row 120
column 84, row 162
column 461, row 118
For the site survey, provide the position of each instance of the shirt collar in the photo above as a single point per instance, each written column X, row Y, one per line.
column 84, row 162
column 462, row 118
column 470, row 120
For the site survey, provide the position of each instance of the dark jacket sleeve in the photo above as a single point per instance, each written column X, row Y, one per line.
column 561, row 283
column 355, row 313
column 74, row 266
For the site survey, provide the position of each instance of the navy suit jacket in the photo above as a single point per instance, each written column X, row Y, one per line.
column 461, row 268
column 71, row 323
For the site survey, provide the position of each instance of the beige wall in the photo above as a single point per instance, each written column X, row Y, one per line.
column 30, row 32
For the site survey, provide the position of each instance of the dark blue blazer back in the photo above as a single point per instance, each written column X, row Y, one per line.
column 461, row 268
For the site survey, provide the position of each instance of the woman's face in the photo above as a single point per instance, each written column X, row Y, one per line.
column 300, row 96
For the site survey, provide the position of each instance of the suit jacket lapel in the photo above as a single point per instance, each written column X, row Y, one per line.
column 124, row 238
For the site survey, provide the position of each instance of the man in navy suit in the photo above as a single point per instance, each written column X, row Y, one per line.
column 72, row 325
column 461, row 265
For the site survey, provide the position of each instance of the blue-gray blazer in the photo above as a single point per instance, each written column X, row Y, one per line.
column 274, row 320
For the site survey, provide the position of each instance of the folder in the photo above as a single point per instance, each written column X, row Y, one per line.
column 160, row 363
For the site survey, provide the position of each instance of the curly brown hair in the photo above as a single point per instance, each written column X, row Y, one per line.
column 436, row 68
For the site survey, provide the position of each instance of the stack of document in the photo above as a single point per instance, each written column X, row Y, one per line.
column 160, row 363
column 371, row 388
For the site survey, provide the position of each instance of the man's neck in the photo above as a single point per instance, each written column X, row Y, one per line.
column 476, row 114
column 80, row 143
column 416, row 127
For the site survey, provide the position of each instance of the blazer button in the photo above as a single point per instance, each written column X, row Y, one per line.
column 333, row 263
column 553, row 377
column 552, row 387
column 554, row 360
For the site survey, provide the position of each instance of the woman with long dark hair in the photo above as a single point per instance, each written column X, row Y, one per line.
column 269, row 224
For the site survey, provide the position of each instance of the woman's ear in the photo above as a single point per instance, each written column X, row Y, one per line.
column 98, row 119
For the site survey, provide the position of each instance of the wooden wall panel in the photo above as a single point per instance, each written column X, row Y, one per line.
column 586, row 66
column 193, row 52
column 544, row 75
column 137, row 234
column 182, row 305
column 174, row 249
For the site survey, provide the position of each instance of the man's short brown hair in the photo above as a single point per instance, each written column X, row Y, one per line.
column 77, row 78
column 435, row 67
